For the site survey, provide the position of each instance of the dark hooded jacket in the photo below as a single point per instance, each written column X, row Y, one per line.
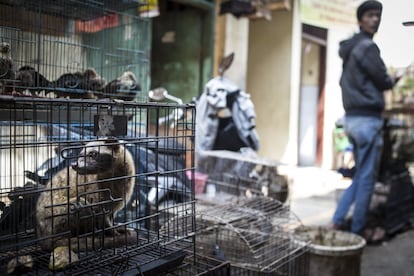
column 364, row 76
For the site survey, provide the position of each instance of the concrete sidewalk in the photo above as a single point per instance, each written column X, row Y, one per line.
column 313, row 198
column 313, row 193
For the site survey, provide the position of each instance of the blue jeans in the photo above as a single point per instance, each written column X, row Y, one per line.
column 365, row 133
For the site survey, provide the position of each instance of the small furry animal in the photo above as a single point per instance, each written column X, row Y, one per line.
column 271, row 183
column 18, row 214
column 91, row 80
column 28, row 78
column 7, row 70
column 123, row 88
column 88, row 82
column 20, row 265
column 85, row 198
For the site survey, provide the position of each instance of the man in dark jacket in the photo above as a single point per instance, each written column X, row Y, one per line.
column 363, row 81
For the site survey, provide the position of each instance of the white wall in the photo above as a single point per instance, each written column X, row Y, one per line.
column 396, row 41
column 269, row 80
column 237, row 36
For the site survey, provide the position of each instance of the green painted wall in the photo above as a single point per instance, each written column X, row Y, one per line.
column 181, row 59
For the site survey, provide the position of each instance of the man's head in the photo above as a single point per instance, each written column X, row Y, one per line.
column 369, row 16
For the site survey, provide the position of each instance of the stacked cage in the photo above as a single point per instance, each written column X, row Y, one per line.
column 243, row 174
column 200, row 265
column 65, row 187
column 269, row 184
column 243, row 216
column 256, row 235
column 89, row 169
column 74, row 49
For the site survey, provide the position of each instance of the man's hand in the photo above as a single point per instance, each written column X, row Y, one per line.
column 399, row 74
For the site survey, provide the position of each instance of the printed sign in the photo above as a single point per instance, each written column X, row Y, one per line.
column 329, row 13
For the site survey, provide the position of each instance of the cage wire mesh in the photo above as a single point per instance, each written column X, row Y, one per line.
column 229, row 184
column 200, row 265
column 256, row 235
column 42, row 139
column 242, row 174
column 81, row 147
column 74, row 49
column 89, row 168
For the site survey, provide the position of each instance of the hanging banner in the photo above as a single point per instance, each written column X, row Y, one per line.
column 329, row 13
column 97, row 24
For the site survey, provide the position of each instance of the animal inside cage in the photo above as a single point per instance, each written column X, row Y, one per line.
column 229, row 185
column 243, row 174
column 255, row 235
column 74, row 49
column 75, row 180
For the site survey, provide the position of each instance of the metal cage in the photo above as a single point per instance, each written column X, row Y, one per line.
column 256, row 235
column 200, row 265
column 74, row 49
column 90, row 168
column 42, row 138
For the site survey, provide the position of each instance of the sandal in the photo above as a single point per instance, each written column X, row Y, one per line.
column 375, row 236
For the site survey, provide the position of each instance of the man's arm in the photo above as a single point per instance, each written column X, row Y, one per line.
column 374, row 66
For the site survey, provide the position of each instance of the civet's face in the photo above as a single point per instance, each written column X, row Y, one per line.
column 96, row 157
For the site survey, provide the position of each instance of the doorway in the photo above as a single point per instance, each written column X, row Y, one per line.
column 312, row 95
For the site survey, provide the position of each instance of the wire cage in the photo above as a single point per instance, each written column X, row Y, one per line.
column 229, row 185
column 200, row 265
column 256, row 235
column 75, row 179
column 243, row 174
column 90, row 168
column 74, row 49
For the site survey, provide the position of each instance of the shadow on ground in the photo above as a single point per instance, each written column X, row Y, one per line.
column 392, row 258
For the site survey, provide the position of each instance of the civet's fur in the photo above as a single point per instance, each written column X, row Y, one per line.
column 85, row 197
